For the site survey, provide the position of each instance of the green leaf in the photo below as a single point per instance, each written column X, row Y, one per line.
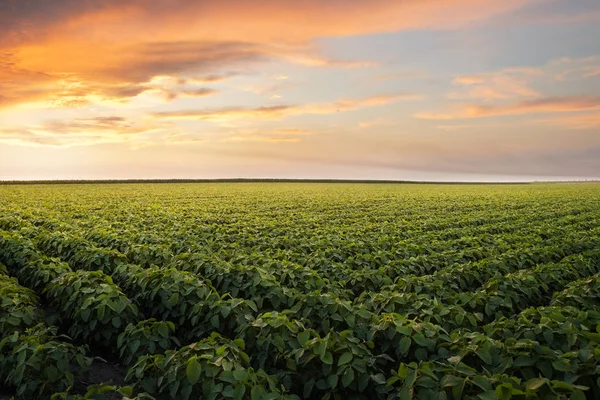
column 52, row 373
column 332, row 380
column 348, row 377
column 535, row 383
column 320, row 349
column 163, row 330
column 239, row 342
column 523, row 361
column 134, row 346
column 504, row 391
column 238, row 392
column 485, row 354
column 421, row 354
column 458, row 389
column 240, row 375
column 403, row 370
column 379, row 379
column 193, row 371
column 126, row 391
column 483, row 383
column 488, row 395
column 345, row 358
column 303, row 337
column 405, row 394
column 404, row 345
column 578, row 395
column 308, row 386
column 549, row 337
column 100, row 312
column 327, row 358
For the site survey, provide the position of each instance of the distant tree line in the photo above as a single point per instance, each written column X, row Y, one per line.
column 242, row 180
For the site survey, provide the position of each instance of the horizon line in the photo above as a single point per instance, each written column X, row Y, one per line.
column 275, row 180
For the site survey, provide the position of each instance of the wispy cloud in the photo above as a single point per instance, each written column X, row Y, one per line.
column 106, row 48
column 576, row 122
column 23, row 20
column 79, row 132
column 262, row 138
column 390, row 76
column 451, row 128
column 271, row 135
column 536, row 106
column 505, row 84
column 569, row 69
column 185, row 140
column 372, row 123
column 281, row 111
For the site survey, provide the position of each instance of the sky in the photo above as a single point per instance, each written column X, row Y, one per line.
column 444, row 90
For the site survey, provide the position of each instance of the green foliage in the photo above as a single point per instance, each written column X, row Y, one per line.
column 165, row 293
column 335, row 364
column 102, row 392
column 338, row 365
column 147, row 255
column 406, row 339
column 584, row 293
column 272, row 336
column 315, row 291
column 456, row 380
column 19, row 306
column 96, row 309
column 146, row 337
column 225, row 315
column 326, row 311
column 16, row 251
column 95, row 258
column 61, row 244
column 36, row 274
column 212, row 368
column 249, row 282
column 38, row 363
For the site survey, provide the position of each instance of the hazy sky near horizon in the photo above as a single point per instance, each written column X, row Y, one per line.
column 364, row 89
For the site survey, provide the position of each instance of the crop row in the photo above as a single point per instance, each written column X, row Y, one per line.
column 306, row 279
column 353, row 255
column 254, row 285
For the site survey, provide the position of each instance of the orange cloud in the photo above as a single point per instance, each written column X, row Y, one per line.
column 537, row 106
column 79, row 132
column 508, row 83
column 125, row 44
column 400, row 75
column 198, row 92
column 452, row 128
column 260, row 138
column 469, row 80
column 566, row 69
column 294, row 131
column 575, row 122
column 274, row 135
column 280, row 111
column 592, row 72
column 372, row 123
column 185, row 140
column 264, row 21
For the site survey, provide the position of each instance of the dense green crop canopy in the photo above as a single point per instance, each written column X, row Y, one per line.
column 300, row 291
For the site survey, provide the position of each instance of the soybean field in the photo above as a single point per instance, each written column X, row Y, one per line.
column 300, row 291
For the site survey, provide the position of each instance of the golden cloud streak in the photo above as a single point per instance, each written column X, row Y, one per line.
column 537, row 106
column 281, row 111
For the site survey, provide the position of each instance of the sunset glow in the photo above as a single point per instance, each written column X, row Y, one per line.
column 354, row 89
